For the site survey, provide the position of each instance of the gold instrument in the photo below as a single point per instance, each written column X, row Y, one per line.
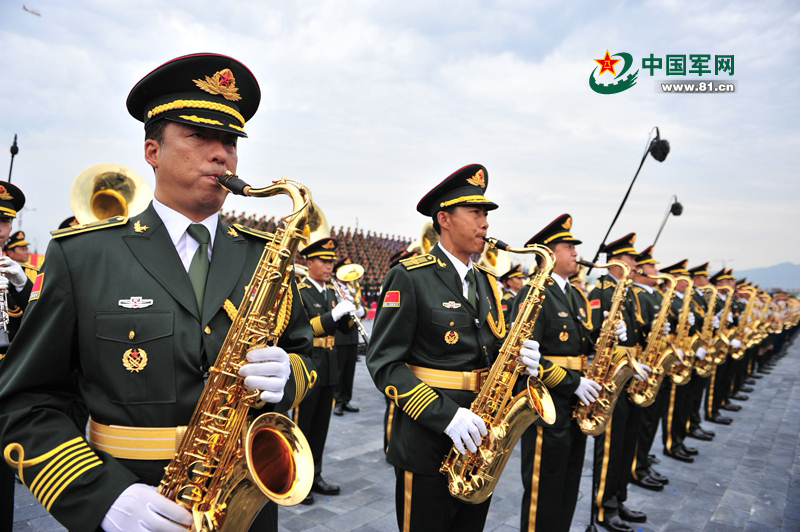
column 608, row 368
column 350, row 274
column 660, row 359
column 763, row 325
column 497, row 261
column 744, row 320
column 227, row 466
column 682, row 372
column 427, row 239
column 722, row 343
column 105, row 190
column 705, row 338
column 472, row 477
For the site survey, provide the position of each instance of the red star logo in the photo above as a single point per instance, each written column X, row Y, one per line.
column 607, row 64
column 226, row 78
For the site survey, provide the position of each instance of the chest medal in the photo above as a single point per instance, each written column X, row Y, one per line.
column 563, row 336
column 134, row 360
column 451, row 337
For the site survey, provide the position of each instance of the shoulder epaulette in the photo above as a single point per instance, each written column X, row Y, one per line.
column 608, row 284
column 485, row 270
column 303, row 284
column 637, row 289
column 418, row 262
column 255, row 232
column 91, row 226
column 508, row 295
column 30, row 267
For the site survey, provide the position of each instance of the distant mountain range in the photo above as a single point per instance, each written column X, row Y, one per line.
column 785, row 276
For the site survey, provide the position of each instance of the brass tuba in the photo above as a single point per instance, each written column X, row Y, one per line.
column 608, row 368
column 105, row 190
column 472, row 477
column 226, row 466
column 655, row 355
column 427, row 239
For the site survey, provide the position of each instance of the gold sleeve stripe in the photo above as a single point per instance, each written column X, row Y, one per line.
column 555, row 377
column 64, row 468
column 74, row 472
column 316, row 324
column 301, row 377
column 55, row 468
column 419, row 402
column 22, row 463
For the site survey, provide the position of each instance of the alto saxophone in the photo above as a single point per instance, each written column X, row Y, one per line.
column 744, row 320
column 722, row 343
column 609, row 370
column 681, row 373
column 705, row 338
column 226, row 466
column 472, row 477
column 659, row 359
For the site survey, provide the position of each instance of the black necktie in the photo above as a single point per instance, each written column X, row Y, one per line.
column 198, row 269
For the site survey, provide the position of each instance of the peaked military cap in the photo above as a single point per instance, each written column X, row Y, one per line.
column 742, row 281
column 323, row 248
column 11, row 200
column 207, row 90
column 699, row 270
column 341, row 263
column 721, row 275
column 679, row 268
column 68, row 222
column 400, row 255
column 15, row 240
column 555, row 232
column 623, row 246
column 465, row 186
column 646, row 256
column 515, row 271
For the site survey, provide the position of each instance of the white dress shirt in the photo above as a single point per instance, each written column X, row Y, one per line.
column 177, row 224
column 461, row 270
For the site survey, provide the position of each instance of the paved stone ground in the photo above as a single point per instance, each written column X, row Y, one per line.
column 747, row 479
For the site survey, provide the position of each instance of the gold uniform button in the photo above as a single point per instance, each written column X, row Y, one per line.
column 207, row 330
column 452, row 323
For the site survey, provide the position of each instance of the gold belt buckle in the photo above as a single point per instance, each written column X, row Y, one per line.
column 480, row 378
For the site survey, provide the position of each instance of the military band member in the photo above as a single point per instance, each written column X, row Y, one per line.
column 17, row 288
column 614, row 450
column 139, row 310
column 327, row 316
column 648, row 304
column 552, row 455
column 439, row 323
column 512, row 283
column 675, row 422
column 346, row 351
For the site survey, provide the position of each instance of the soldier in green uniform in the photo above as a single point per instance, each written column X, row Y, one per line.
column 512, row 283
column 674, row 425
column 614, row 449
column 439, row 325
column 15, row 286
column 138, row 309
column 327, row 316
column 552, row 455
column 648, row 305
column 346, row 351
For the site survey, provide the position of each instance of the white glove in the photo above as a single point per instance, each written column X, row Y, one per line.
column 736, row 344
column 3, row 283
column 667, row 327
column 529, row 355
column 361, row 312
column 267, row 370
column 11, row 269
column 715, row 322
column 141, row 508
column 588, row 391
column 747, row 330
column 730, row 317
column 466, row 429
column 701, row 353
column 681, row 355
column 647, row 371
column 345, row 307
column 621, row 331
column 691, row 319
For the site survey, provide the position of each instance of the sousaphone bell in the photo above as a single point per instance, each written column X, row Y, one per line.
column 106, row 190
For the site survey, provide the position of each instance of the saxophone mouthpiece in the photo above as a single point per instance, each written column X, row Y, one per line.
column 585, row 263
column 233, row 183
column 499, row 244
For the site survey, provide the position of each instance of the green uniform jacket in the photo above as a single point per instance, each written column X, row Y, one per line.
column 424, row 320
column 17, row 301
column 77, row 325
column 648, row 306
column 675, row 312
column 560, row 332
column 600, row 299
column 508, row 304
column 319, row 310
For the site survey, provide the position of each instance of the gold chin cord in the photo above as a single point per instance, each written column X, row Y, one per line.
column 227, row 465
column 608, row 368
column 472, row 477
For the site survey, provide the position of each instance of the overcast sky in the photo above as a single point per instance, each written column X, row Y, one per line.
column 371, row 104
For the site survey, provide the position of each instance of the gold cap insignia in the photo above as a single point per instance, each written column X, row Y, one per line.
column 134, row 360
column 568, row 224
column 329, row 244
column 222, row 83
column 4, row 195
column 633, row 240
column 451, row 337
column 563, row 336
column 21, row 235
column 477, row 180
